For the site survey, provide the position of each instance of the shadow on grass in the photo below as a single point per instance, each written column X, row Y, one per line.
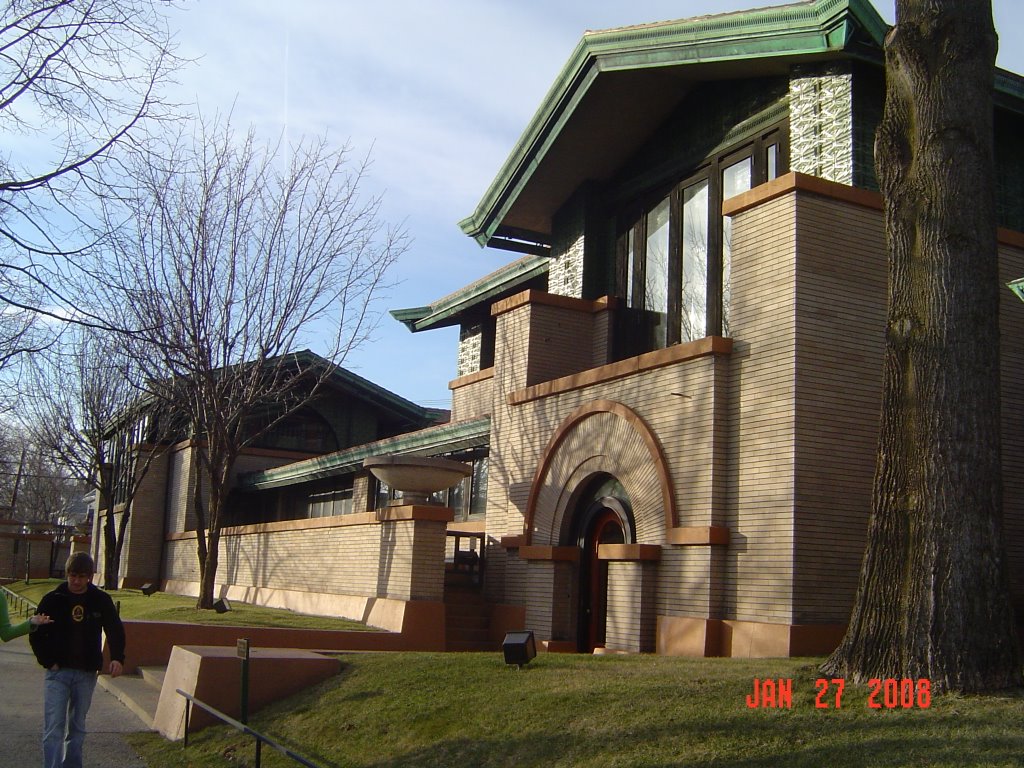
column 743, row 741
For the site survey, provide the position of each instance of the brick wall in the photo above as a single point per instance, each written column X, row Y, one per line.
column 472, row 395
column 349, row 555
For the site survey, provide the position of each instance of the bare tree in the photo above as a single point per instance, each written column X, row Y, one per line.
column 232, row 255
column 33, row 487
column 933, row 601
column 78, row 78
column 87, row 410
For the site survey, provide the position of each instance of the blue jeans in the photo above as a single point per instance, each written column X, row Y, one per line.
column 66, row 700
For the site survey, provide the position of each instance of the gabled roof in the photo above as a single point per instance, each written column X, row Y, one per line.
column 579, row 132
column 620, row 84
column 372, row 393
column 490, row 288
column 444, row 438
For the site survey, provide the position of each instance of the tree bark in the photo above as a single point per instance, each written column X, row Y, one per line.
column 111, row 565
column 933, row 599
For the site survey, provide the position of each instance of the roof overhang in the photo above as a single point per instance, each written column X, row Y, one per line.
column 579, row 132
column 446, row 438
column 503, row 282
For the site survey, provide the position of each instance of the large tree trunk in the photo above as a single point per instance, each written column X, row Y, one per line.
column 111, row 565
column 933, row 600
column 198, row 469
column 208, row 575
column 218, row 465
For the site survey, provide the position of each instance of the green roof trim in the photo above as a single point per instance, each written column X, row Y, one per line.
column 431, row 441
column 446, row 311
column 813, row 29
column 810, row 28
column 367, row 390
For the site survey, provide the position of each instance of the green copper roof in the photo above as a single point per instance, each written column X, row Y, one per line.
column 445, row 438
column 367, row 390
column 490, row 288
column 645, row 69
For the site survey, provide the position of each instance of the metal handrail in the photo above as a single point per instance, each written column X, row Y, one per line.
column 21, row 604
column 260, row 738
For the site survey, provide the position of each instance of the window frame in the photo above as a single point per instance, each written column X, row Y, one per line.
column 632, row 335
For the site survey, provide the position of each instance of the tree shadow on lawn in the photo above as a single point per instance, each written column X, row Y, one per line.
column 745, row 740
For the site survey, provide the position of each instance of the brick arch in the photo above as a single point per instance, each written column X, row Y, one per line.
column 601, row 436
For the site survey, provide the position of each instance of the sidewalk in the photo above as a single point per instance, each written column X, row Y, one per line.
column 21, row 717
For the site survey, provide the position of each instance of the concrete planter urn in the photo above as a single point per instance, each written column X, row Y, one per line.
column 417, row 476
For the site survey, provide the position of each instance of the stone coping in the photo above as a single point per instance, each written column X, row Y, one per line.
column 801, row 182
column 472, row 378
column 697, row 535
column 629, row 552
column 677, row 353
column 407, row 512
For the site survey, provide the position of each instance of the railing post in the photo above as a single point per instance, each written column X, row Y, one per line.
column 188, row 709
column 259, row 743
column 243, row 653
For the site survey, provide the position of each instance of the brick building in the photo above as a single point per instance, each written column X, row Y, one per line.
column 670, row 397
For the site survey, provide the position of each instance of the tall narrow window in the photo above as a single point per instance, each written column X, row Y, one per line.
column 695, row 262
column 634, row 296
column 674, row 260
column 735, row 179
column 656, row 274
column 772, row 161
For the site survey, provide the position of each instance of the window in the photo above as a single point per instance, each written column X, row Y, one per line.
column 674, row 258
column 331, row 503
column 305, row 431
column 468, row 498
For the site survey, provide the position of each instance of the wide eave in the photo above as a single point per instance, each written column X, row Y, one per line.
column 644, row 71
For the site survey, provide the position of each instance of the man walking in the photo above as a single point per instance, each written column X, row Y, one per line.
column 70, row 649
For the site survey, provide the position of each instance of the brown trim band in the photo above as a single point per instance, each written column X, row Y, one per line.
column 559, row 646
column 389, row 514
column 472, row 378
column 1010, row 237
column 630, row 417
column 533, row 296
column 415, row 512
column 513, row 542
column 801, row 182
column 468, row 526
column 678, row 353
column 630, row 552
column 553, row 554
column 698, row 535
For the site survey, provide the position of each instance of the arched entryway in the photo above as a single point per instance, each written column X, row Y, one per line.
column 603, row 517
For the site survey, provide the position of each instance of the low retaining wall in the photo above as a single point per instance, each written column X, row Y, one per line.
column 213, row 676
column 149, row 643
column 355, row 566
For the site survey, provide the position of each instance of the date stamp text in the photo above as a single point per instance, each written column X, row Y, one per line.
column 890, row 693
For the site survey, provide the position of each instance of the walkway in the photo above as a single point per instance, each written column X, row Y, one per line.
column 21, row 717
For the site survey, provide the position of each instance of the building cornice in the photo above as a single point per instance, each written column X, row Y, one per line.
column 444, row 438
column 800, row 30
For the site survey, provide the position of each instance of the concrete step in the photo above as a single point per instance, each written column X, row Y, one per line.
column 154, row 676
column 136, row 693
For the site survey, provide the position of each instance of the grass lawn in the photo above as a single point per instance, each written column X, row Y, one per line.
column 418, row 709
column 164, row 607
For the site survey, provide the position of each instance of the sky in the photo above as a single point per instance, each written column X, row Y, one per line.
column 437, row 93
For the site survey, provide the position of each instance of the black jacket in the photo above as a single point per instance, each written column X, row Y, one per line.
column 51, row 643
